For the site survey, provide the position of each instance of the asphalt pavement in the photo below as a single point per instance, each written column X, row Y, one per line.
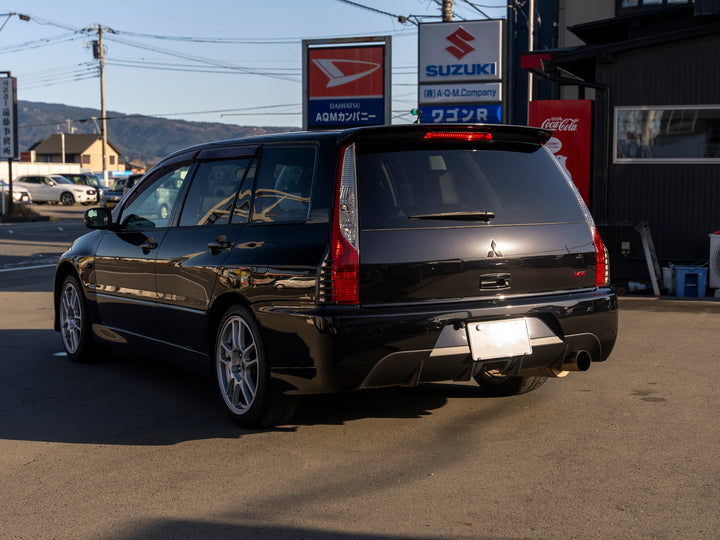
column 129, row 447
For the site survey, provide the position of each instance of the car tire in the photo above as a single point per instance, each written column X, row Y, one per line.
column 494, row 383
column 75, row 324
column 164, row 211
column 242, row 373
column 67, row 199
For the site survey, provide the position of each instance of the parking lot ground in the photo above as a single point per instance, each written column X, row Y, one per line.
column 132, row 448
column 59, row 212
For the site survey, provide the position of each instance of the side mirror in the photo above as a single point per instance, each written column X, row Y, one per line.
column 98, row 218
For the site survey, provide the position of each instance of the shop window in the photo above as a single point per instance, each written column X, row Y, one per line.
column 622, row 6
column 672, row 134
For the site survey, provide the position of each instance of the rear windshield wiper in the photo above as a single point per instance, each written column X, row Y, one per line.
column 457, row 216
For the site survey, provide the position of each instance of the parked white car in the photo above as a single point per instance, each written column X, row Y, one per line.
column 56, row 188
column 20, row 194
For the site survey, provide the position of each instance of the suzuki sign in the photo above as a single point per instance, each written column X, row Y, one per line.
column 346, row 83
column 467, row 51
column 460, row 72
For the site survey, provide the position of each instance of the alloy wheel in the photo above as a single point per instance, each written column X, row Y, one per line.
column 71, row 318
column 237, row 364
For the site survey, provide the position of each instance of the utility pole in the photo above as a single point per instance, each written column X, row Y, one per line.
column 447, row 13
column 99, row 53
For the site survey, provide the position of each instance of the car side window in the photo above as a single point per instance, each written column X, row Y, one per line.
column 214, row 190
column 284, row 184
column 152, row 205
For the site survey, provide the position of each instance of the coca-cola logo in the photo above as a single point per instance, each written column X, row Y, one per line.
column 558, row 123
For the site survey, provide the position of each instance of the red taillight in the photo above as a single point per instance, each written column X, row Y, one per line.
column 459, row 135
column 602, row 267
column 344, row 257
column 345, row 273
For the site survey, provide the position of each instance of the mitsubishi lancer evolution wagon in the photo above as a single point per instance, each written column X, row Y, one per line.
column 304, row 263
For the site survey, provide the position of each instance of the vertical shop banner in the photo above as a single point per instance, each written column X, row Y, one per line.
column 346, row 86
column 571, row 141
column 8, row 129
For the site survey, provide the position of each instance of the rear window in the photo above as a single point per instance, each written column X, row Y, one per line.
column 517, row 186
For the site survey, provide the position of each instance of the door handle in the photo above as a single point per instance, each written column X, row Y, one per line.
column 148, row 245
column 495, row 281
column 219, row 244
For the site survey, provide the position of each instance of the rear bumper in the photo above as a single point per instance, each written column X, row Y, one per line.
column 339, row 349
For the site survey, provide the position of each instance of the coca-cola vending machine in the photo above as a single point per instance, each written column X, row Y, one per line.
column 571, row 142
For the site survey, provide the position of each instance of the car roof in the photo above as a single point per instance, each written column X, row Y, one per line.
column 504, row 132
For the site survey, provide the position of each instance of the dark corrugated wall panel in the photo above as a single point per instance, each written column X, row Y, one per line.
column 681, row 202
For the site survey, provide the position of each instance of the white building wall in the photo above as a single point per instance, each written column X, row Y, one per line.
column 572, row 12
column 20, row 168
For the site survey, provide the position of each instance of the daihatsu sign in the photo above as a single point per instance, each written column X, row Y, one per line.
column 346, row 83
column 460, row 72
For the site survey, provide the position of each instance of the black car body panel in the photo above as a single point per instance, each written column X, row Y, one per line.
column 256, row 223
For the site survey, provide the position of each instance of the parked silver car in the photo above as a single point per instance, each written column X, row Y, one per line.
column 20, row 194
column 58, row 189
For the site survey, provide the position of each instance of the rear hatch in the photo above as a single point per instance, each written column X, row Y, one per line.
column 449, row 218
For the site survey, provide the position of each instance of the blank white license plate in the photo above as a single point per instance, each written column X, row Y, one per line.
column 499, row 339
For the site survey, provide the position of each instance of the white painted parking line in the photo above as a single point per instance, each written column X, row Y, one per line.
column 27, row 268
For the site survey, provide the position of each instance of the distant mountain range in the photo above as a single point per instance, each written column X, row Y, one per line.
column 137, row 138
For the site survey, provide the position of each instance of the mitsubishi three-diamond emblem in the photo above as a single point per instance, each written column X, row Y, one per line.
column 494, row 252
column 460, row 46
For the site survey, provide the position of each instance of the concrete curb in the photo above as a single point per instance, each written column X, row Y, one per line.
column 669, row 304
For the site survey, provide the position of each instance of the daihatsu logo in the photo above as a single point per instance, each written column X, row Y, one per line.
column 459, row 38
column 341, row 72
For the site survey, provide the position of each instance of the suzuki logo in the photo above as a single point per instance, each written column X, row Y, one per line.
column 494, row 252
column 336, row 70
column 459, row 38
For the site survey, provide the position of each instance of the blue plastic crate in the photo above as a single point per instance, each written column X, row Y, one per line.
column 690, row 281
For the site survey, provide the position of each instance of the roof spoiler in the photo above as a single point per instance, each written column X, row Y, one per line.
column 500, row 132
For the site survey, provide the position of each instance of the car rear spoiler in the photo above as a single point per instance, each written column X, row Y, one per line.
column 502, row 133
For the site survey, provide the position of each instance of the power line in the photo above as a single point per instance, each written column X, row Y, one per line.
column 401, row 18
column 260, row 111
column 476, row 7
column 34, row 44
column 192, row 69
column 198, row 59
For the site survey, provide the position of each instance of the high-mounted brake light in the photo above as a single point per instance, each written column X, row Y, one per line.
column 459, row 135
column 345, row 259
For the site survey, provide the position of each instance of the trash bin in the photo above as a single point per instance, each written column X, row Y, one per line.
column 668, row 277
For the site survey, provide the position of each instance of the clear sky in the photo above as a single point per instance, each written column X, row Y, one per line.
column 234, row 61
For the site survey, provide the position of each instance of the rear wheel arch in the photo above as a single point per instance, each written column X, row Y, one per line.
column 241, row 370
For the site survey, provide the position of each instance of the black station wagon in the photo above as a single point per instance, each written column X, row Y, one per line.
column 335, row 261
